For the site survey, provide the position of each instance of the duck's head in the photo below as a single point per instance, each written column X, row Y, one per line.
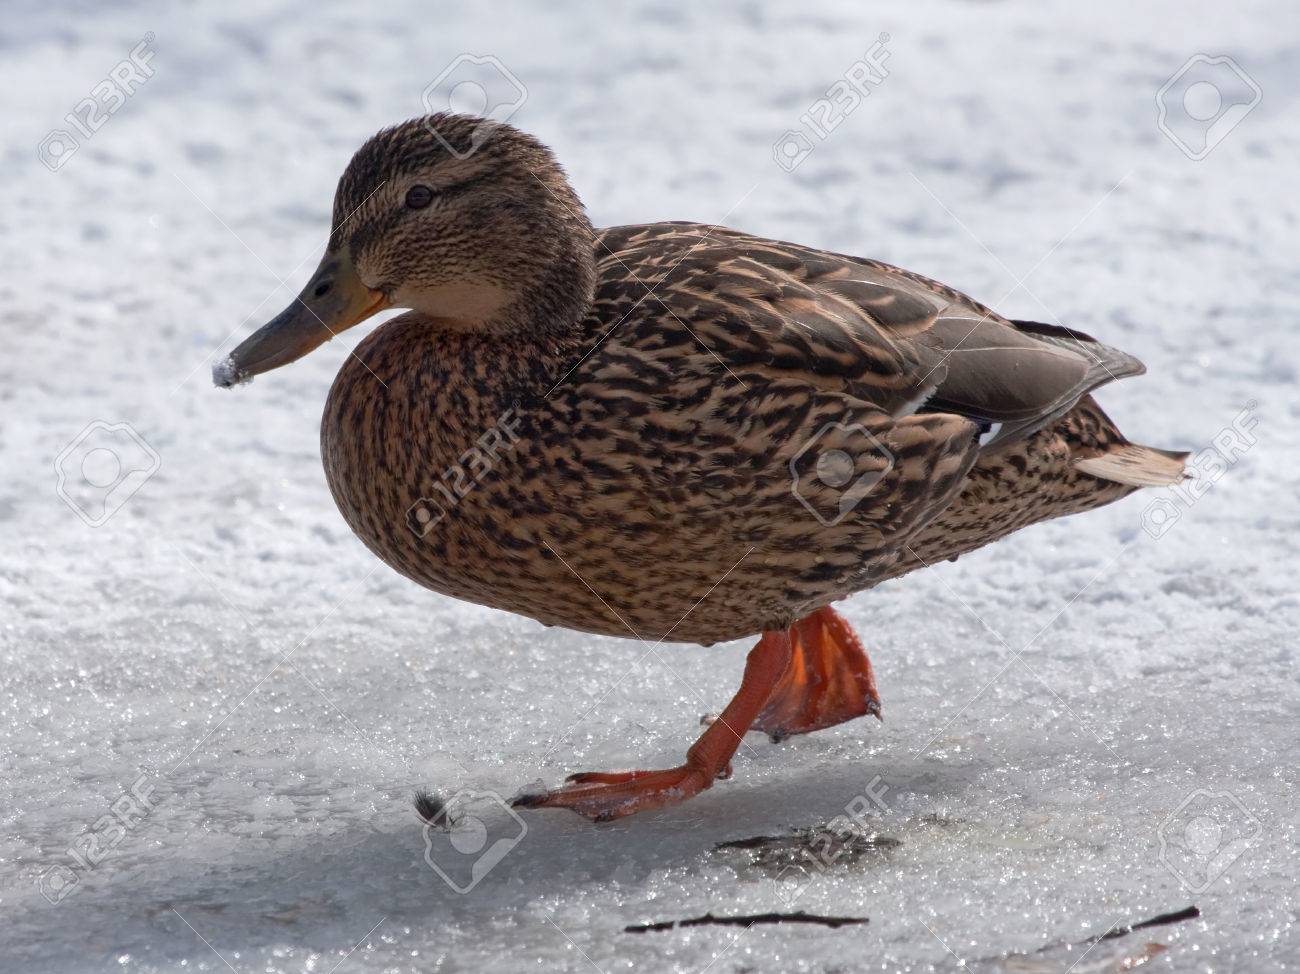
column 468, row 222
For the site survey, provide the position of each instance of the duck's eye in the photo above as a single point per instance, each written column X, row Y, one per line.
column 418, row 197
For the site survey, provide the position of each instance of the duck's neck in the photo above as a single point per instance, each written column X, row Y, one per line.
column 520, row 340
column 551, row 305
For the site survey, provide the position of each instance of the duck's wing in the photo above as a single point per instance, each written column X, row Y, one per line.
column 895, row 339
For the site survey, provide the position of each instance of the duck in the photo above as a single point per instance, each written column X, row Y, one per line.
column 672, row 432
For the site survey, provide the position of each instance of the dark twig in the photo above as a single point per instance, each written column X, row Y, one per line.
column 1178, row 916
column 746, row 921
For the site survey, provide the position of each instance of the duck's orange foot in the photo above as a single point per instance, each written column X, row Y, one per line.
column 828, row 681
column 604, row 796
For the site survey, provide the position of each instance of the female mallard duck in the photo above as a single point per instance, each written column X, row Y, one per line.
column 672, row 431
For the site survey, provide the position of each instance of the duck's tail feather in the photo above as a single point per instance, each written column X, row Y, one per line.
column 1105, row 364
column 1016, row 381
column 1137, row 466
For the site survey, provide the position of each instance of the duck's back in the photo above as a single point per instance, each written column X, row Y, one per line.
column 908, row 344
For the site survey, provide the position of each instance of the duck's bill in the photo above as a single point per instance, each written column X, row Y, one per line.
column 333, row 300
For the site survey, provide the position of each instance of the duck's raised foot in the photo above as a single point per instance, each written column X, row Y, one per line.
column 814, row 675
column 604, row 796
column 829, row 680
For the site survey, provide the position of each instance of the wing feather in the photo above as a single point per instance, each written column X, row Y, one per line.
column 890, row 337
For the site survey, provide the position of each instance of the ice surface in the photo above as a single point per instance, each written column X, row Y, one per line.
column 203, row 644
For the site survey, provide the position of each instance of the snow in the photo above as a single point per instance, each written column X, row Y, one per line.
column 225, row 374
column 223, row 704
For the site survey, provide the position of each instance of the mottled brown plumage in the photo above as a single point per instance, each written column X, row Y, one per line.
column 675, row 431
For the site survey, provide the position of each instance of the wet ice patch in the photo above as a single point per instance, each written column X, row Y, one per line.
column 806, row 851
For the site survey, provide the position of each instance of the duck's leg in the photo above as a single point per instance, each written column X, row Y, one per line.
column 829, row 679
column 603, row 796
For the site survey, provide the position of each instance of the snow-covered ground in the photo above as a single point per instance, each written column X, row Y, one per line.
column 216, row 704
